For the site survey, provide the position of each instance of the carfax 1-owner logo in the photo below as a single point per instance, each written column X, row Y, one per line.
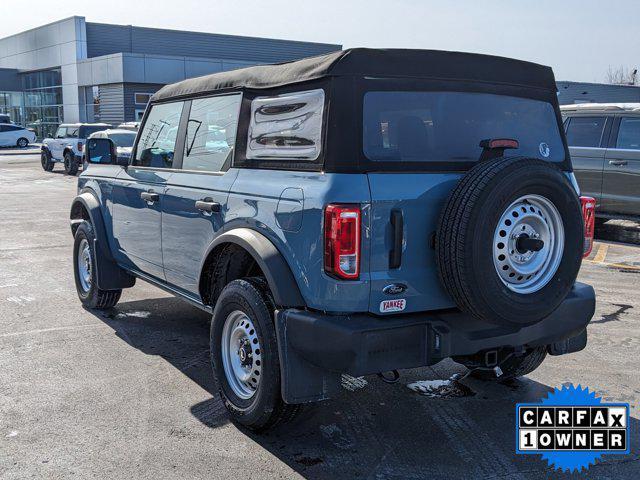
column 572, row 428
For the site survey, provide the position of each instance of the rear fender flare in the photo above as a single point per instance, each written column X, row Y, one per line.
column 282, row 283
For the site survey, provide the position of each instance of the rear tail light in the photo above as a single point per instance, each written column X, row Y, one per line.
column 342, row 241
column 589, row 217
column 500, row 143
column 80, row 145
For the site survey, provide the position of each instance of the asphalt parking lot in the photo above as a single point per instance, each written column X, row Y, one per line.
column 129, row 393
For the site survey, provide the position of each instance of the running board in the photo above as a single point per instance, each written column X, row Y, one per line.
column 173, row 291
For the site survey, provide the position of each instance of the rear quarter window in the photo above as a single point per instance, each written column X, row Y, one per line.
column 286, row 127
column 402, row 126
column 629, row 134
column 585, row 131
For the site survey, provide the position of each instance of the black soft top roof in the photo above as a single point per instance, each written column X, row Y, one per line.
column 363, row 62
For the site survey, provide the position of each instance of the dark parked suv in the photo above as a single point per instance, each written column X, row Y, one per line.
column 604, row 141
column 358, row 212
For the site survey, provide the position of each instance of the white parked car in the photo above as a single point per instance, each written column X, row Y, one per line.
column 67, row 145
column 15, row 136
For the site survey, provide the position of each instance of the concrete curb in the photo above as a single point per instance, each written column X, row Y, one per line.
column 26, row 151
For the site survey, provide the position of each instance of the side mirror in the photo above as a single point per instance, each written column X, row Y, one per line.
column 103, row 151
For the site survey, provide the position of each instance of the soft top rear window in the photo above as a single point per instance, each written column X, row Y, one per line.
column 86, row 131
column 411, row 126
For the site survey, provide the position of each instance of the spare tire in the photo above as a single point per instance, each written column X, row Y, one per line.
column 509, row 241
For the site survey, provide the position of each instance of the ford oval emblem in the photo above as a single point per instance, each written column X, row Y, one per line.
column 394, row 289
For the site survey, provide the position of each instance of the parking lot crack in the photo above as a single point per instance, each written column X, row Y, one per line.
column 614, row 316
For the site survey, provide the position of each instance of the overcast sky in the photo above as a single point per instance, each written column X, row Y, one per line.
column 580, row 39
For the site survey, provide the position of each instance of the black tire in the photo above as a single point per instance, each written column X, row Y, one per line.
column 465, row 237
column 514, row 366
column 45, row 161
column 22, row 143
column 70, row 163
column 94, row 297
column 265, row 408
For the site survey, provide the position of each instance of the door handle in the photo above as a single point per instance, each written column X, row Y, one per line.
column 207, row 205
column 150, row 197
column 618, row 163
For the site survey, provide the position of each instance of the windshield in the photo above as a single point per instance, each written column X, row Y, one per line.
column 448, row 126
column 123, row 139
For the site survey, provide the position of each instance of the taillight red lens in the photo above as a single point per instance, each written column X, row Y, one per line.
column 80, row 145
column 342, row 241
column 504, row 143
column 589, row 217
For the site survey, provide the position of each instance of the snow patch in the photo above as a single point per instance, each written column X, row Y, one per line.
column 136, row 314
column 21, row 300
column 428, row 385
column 441, row 388
column 12, row 433
column 353, row 383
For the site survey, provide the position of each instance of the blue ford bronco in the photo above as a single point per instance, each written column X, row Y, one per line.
column 355, row 213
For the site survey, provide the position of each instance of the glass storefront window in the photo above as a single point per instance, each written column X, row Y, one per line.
column 42, row 101
column 42, row 79
column 12, row 103
column 91, row 97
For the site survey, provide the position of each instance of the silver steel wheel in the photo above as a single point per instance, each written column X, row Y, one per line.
column 241, row 354
column 523, row 263
column 84, row 265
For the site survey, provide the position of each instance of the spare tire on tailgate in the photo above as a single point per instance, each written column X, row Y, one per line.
column 510, row 240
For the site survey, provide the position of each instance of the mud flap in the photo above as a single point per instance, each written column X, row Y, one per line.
column 109, row 275
column 300, row 380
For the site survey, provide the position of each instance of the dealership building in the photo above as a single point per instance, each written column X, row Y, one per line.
column 78, row 71
column 585, row 92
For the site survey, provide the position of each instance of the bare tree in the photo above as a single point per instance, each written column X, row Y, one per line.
column 622, row 75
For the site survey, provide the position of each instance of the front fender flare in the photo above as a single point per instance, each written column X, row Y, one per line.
column 91, row 205
column 109, row 275
column 275, row 268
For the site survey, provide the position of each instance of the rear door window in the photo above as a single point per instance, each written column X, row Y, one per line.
column 211, row 133
column 157, row 143
column 585, row 131
column 629, row 134
column 401, row 126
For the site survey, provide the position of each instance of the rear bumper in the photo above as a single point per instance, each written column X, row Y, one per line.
column 315, row 348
